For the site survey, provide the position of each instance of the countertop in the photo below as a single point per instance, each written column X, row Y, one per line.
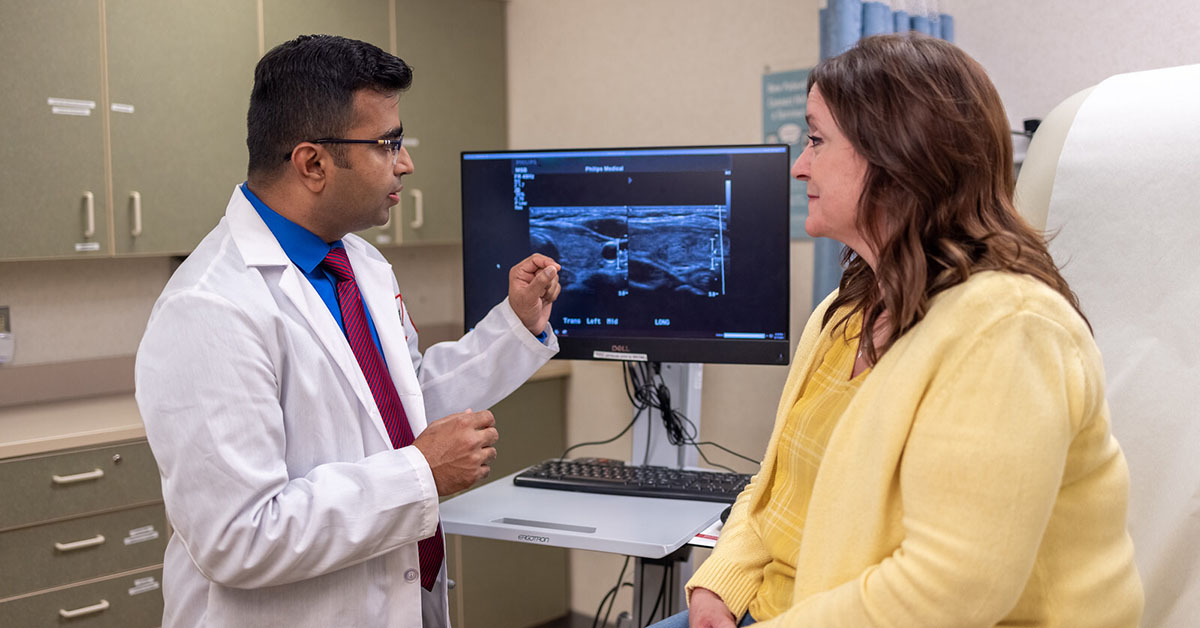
column 42, row 427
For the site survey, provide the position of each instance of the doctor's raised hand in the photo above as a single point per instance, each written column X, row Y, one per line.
column 532, row 288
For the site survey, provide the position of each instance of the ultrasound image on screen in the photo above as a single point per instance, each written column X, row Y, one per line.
column 625, row 250
column 674, row 254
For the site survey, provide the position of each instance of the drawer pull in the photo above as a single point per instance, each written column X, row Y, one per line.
column 94, row 474
column 87, row 610
column 92, row 542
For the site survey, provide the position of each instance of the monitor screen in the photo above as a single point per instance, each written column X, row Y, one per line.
column 668, row 254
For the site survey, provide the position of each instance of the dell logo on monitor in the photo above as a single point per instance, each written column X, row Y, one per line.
column 621, row 348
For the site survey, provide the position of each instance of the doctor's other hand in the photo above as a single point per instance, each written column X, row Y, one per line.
column 708, row 610
column 459, row 449
column 532, row 287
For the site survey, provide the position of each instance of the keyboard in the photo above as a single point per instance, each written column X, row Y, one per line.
column 614, row 478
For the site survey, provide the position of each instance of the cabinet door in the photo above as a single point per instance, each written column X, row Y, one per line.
column 457, row 102
column 53, row 148
column 365, row 20
column 179, row 80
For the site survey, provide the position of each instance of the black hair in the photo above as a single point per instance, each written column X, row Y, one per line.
column 304, row 90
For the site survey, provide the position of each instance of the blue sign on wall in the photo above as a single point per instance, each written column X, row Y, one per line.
column 784, row 97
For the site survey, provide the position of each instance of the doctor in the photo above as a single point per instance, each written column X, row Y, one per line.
column 280, row 383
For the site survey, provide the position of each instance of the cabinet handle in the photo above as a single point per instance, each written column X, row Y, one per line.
column 419, row 205
column 75, row 545
column 94, row 474
column 135, row 198
column 87, row 610
column 89, row 205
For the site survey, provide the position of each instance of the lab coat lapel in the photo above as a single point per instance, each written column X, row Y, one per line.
column 259, row 248
column 375, row 282
column 301, row 293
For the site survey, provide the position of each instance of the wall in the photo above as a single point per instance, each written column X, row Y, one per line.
column 636, row 73
column 82, row 309
column 1039, row 53
column 79, row 309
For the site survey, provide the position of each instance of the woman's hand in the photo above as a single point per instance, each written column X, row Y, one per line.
column 708, row 610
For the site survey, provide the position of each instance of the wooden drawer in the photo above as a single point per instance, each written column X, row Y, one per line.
column 54, row 486
column 126, row 601
column 54, row 554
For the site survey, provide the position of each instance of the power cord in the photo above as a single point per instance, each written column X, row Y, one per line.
column 680, row 429
column 646, row 389
column 636, row 416
column 611, row 597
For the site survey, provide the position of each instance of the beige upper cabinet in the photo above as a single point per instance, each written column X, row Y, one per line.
column 365, row 20
column 126, row 127
column 457, row 102
column 179, row 83
column 127, row 123
column 53, row 185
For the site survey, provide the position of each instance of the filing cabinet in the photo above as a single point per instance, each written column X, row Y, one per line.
column 57, row 485
column 82, row 536
column 123, row 601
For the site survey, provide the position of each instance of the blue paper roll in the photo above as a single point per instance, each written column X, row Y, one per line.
column 947, row 23
column 921, row 24
column 846, row 24
column 877, row 18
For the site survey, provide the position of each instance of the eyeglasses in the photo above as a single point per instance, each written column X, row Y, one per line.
column 392, row 146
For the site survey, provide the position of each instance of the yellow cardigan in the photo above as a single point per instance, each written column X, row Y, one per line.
column 972, row 481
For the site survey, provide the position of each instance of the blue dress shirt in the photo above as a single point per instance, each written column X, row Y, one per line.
column 307, row 250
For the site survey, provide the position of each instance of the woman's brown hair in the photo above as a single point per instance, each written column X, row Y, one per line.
column 937, row 198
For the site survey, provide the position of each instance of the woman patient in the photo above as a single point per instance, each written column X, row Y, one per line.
column 942, row 454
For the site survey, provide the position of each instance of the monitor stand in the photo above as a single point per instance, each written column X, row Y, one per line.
column 649, row 434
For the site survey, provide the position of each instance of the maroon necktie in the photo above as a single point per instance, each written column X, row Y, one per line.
column 430, row 550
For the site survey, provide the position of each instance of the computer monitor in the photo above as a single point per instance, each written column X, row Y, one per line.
column 668, row 254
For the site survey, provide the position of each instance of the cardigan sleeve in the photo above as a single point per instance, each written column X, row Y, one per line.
column 980, row 475
column 734, row 570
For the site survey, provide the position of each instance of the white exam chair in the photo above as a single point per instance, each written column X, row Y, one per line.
column 1115, row 171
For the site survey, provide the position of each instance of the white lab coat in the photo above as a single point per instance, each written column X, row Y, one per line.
column 289, row 505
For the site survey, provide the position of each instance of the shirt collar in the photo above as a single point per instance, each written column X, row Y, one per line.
column 305, row 248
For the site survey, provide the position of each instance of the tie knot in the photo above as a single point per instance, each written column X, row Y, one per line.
column 339, row 264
